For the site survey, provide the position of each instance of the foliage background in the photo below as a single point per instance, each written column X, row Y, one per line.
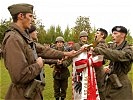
column 70, row 34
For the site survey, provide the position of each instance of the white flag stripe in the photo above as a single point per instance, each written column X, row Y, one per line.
column 97, row 58
column 81, row 66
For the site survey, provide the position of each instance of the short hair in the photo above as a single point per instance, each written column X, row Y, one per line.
column 103, row 31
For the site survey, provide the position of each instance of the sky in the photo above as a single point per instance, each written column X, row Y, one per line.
column 102, row 13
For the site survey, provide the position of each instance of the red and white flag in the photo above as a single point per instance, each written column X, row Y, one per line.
column 82, row 63
column 86, row 65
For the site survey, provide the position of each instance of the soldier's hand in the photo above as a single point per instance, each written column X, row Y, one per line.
column 70, row 54
column 107, row 69
column 52, row 66
column 84, row 47
column 39, row 60
column 59, row 62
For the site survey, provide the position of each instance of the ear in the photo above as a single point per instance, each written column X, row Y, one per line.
column 123, row 35
column 102, row 35
column 20, row 16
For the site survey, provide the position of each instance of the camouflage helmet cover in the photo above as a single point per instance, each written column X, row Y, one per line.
column 83, row 33
column 59, row 38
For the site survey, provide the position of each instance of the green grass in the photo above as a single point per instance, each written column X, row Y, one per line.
column 48, row 91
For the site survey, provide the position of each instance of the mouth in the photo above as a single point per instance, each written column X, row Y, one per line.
column 95, row 38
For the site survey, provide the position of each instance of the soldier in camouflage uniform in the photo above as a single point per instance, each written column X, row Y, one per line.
column 118, row 85
column 61, row 72
column 19, row 54
column 100, row 37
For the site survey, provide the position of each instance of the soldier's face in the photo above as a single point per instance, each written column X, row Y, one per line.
column 27, row 20
column 84, row 38
column 98, row 36
column 59, row 44
column 118, row 37
column 34, row 35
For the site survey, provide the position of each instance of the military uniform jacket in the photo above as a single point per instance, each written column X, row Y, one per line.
column 20, row 62
column 62, row 71
column 99, row 71
column 121, row 57
column 78, row 45
column 47, row 52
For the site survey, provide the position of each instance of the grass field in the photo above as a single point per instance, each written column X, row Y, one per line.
column 48, row 92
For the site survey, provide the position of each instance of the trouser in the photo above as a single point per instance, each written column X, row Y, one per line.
column 60, row 87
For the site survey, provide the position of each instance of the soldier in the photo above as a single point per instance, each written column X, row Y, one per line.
column 83, row 36
column 61, row 72
column 83, row 39
column 100, row 37
column 19, row 54
column 118, row 86
column 33, row 33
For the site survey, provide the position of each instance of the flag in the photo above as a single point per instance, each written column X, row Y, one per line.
column 92, row 61
column 97, row 61
column 86, row 65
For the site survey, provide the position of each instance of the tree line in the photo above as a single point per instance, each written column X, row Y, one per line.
column 70, row 34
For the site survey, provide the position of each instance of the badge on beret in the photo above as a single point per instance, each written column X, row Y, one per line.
column 98, row 29
column 118, row 29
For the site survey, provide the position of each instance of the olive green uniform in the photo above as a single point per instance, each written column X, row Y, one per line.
column 121, row 58
column 20, row 62
column 100, row 72
column 60, row 75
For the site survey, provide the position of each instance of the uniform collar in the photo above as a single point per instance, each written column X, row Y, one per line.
column 120, row 47
column 21, row 32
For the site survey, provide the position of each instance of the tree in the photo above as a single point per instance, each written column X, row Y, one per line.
column 82, row 23
column 51, row 35
column 58, row 31
column 129, row 38
column 67, row 34
column 109, row 38
column 4, row 25
column 42, row 34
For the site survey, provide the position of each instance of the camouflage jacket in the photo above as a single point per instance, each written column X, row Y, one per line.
column 121, row 58
column 78, row 45
column 61, row 71
column 99, row 70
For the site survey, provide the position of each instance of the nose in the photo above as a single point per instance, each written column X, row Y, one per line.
column 112, row 35
column 33, row 20
column 36, row 32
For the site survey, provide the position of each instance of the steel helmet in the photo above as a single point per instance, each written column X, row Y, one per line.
column 59, row 38
column 83, row 33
